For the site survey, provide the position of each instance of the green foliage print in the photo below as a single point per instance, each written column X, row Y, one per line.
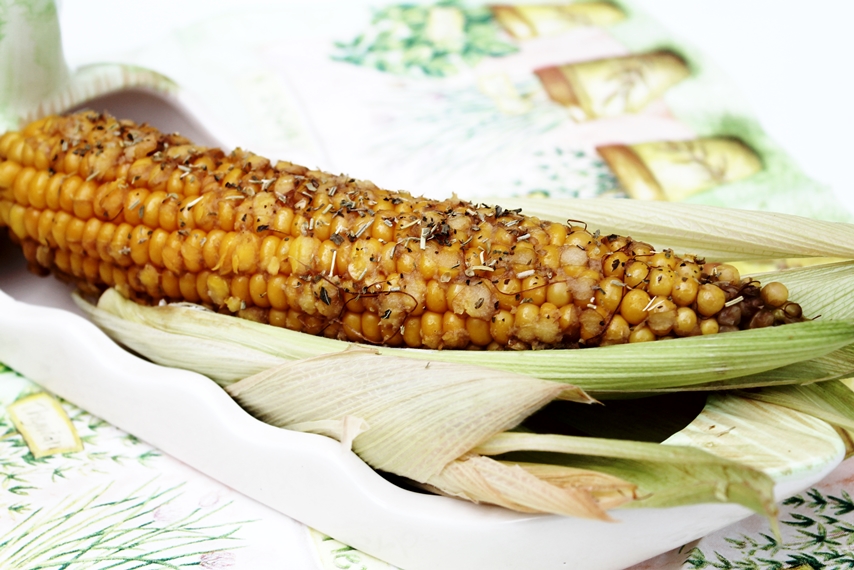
column 21, row 473
column 818, row 534
column 434, row 40
column 93, row 532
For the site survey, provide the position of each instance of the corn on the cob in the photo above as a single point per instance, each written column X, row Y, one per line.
column 108, row 203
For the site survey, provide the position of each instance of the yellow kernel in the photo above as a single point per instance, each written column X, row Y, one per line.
column 276, row 288
column 609, row 294
column 579, row 237
column 534, row 288
column 726, row 273
column 277, row 317
column 661, row 281
column 635, row 273
column 501, row 326
column 685, row 291
column 709, row 326
column 431, row 329
column 170, row 285
column 686, row 322
column 478, row 330
column 258, row 290
column 641, row 334
column 436, row 300
column 710, row 299
column 633, row 308
column 558, row 294
column 20, row 189
column 551, row 255
column 412, row 332
column 8, row 172
column 526, row 315
column 187, row 286
column 454, row 332
column 614, row 264
column 371, row 327
column 688, row 269
column 617, row 331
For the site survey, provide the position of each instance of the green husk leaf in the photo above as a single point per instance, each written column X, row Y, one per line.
column 221, row 360
column 762, row 439
column 722, row 234
column 833, row 401
column 833, row 366
column 666, row 475
column 631, row 367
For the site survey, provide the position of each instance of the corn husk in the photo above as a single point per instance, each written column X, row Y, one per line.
column 833, row 402
column 434, row 422
column 390, row 407
column 667, row 475
column 418, row 420
column 628, row 367
column 718, row 234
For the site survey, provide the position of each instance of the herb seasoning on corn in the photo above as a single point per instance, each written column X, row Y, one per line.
column 109, row 203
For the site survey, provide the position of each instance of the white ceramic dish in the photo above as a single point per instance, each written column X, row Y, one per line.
column 312, row 479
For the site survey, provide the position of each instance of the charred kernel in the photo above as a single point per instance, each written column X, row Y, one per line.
column 793, row 310
column 730, row 316
column 763, row 318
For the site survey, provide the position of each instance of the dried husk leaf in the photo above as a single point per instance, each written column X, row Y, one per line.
column 484, row 480
column 833, row 401
column 221, row 360
column 716, row 233
column 666, row 475
column 610, row 492
column 422, row 416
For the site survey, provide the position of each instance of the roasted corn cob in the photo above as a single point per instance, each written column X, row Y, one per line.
column 109, row 203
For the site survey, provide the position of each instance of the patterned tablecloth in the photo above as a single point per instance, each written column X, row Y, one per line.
column 119, row 503
column 434, row 97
